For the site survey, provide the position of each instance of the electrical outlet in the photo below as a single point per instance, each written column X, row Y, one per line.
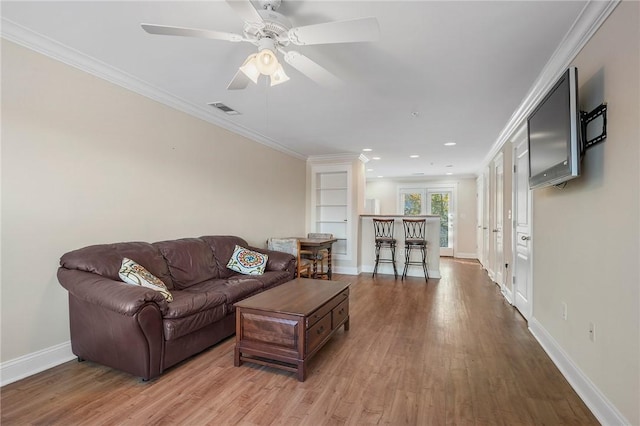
column 592, row 332
column 564, row 311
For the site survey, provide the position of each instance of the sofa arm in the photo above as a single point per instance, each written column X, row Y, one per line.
column 278, row 261
column 113, row 295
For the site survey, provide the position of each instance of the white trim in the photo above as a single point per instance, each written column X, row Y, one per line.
column 592, row 16
column 346, row 270
column 33, row 363
column 600, row 406
column 466, row 255
column 508, row 295
column 58, row 51
column 336, row 159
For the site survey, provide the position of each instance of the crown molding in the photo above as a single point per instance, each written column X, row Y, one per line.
column 53, row 49
column 337, row 158
column 590, row 19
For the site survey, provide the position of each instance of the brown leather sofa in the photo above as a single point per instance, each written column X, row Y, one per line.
column 133, row 328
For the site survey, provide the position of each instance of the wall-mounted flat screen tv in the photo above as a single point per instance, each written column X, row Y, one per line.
column 554, row 134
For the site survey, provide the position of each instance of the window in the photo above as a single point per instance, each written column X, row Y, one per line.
column 412, row 201
column 435, row 199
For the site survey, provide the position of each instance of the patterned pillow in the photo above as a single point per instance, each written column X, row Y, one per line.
column 133, row 273
column 247, row 262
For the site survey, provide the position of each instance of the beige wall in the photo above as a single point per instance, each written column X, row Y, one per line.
column 386, row 190
column 87, row 162
column 586, row 236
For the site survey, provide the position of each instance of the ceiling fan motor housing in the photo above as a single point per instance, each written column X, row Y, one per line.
column 274, row 24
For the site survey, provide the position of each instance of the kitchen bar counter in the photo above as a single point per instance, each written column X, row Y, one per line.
column 368, row 247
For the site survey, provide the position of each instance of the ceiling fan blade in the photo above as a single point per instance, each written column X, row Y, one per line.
column 245, row 10
column 362, row 29
column 311, row 69
column 240, row 81
column 190, row 32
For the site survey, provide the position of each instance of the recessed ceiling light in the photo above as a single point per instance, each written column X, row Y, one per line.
column 414, row 156
column 367, row 149
column 375, row 158
column 380, row 176
column 418, row 174
column 449, row 144
column 449, row 173
column 369, row 170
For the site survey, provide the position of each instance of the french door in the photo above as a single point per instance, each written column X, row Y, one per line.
column 432, row 201
column 439, row 204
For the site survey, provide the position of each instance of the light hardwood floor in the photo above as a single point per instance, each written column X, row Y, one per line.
column 448, row 352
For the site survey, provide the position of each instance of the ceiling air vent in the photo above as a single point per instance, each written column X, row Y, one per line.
column 222, row 107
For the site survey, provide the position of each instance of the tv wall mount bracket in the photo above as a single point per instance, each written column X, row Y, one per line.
column 588, row 117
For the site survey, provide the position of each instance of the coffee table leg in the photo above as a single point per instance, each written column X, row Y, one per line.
column 236, row 357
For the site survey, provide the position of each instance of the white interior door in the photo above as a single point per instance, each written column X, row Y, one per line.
column 485, row 222
column 498, row 243
column 479, row 219
column 522, row 235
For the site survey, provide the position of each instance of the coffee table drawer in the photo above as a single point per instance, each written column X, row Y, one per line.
column 317, row 333
column 340, row 313
column 326, row 308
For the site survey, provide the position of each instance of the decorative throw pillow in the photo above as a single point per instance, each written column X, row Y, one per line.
column 135, row 274
column 247, row 262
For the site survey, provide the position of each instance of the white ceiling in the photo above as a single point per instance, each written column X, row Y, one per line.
column 463, row 66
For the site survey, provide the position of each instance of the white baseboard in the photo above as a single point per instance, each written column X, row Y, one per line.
column 347, row 270
column 508, row 294
column 458, row 255
column 33, row 363
column 600, row 406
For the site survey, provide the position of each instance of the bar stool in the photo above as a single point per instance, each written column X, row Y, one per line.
column 414, row 237
column 383, row 229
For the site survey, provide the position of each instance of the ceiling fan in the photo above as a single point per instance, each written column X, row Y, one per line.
column 272, row 32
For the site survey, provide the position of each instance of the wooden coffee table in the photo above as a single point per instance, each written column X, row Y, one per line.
column 285, row 326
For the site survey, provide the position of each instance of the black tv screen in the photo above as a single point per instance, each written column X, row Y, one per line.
column 554, row 134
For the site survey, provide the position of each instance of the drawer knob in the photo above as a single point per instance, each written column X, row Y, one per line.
column 341, row 311
column 321, row 329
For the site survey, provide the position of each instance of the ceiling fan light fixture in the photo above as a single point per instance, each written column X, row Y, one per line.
column 250, row 69
column 279, row 76
column 267, row 62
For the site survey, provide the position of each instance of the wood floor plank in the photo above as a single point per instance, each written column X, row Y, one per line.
column 446, row 352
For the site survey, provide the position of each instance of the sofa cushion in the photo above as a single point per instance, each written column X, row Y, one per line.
column 247, row 262
column 233, row 289
column 191, row 311
column 135, row 274
column 222, row 247
column 106, row 260
column 175, row 328
column 190, row 261
column 272, row 278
